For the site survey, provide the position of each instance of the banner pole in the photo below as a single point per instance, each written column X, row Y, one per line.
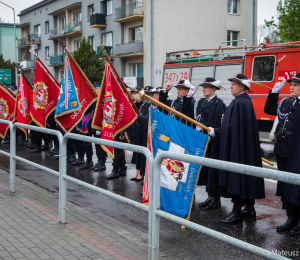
column 80, row 70
column 119, row 78
column 38, row 59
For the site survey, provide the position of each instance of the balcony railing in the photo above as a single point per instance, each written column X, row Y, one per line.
column 98, row 21
column 70, row 28
column 133, row 48
column 30, row 38
column 26, row 64
column 107, row 48
column 58, row 59
column 129, row 10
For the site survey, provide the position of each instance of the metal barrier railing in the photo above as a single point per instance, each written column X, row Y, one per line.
column 154, row 185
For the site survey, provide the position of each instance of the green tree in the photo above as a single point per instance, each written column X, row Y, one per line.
column 89, row 61
column 288, row 26
column 7, row 64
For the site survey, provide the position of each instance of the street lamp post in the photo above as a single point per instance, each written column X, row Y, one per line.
column 16, row 58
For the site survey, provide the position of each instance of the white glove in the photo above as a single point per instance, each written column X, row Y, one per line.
column 198, row 128
column 78, row 128
column 193, row 90
column 98, row 132
column 278, row 86
column 211, row 132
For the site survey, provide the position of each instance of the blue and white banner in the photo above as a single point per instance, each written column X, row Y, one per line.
column 68, row 101
column 178, row 179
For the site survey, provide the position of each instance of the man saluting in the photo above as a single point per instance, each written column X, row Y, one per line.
column 239, row 143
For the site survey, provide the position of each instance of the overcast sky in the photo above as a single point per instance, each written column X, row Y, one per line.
column 266, row 9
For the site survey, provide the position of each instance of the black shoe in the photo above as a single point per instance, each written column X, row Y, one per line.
column 291, row 222
column 53, row 151
column 96, row 165
column 214, row 204
column 296, row 230
column 123, row 171
column 45, row 148
column 79, row 161
column 232, row 218
column 6, row 141
column 25, row 143
column 87, row 165
column 101, row 166
column 132, row 179
column 205, row 203
column 31, row 146
column 72, row 158
column 28, row 145
column 249, row 212
column 138, row 180
column 114, row 174
column 36, row 150
column 141, row 194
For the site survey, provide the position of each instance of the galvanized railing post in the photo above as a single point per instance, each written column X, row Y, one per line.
column 12, row 163
column 150, row 204
column 62, row 180
column 154, row 243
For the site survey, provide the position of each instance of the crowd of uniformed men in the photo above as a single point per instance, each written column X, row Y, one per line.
column 234, row 138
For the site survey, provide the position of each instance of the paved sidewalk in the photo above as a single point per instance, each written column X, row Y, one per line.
column 29, row 229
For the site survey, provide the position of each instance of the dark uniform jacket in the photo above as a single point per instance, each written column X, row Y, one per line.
column 287, row 143
column 210, row 114
column 184, row 106
column 239, row 143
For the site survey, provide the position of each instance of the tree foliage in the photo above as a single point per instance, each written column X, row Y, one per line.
column 288, row 26
column 89, row 61
column 7, row 64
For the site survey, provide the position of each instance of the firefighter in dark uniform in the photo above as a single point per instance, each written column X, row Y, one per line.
column 183, row 103
column 287, row 149
column 239, row 143
column 209, row 111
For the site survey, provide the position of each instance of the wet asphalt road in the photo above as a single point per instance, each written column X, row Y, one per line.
column 187, row 244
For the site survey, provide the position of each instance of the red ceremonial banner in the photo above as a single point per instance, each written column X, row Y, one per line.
column 45, row 96
column 24, row 99
column 86, row 96
column 7, row 108
column 114, row 112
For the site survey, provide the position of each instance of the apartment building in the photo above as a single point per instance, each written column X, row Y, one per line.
column 7, row 36
column 124, row 28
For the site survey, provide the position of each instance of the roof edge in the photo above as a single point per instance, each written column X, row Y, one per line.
column 33, row 7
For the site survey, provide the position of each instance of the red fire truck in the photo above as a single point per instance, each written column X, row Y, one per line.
column 266, row 64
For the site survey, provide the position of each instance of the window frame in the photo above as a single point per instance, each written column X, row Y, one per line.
column 47, row 57
column 38, row 26
column 253, row 67
column 93, row 43
column 47, row 27
column 230, row 42
column 89, row 13
column 105, row 35
column 231, row 7
column 136, row 69
column 107, row 5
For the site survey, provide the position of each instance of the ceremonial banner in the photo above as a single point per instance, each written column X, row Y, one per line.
column 45, row 96
column 7, row 108
column 75, row 97
column 24, row 99
column 178, row 179
column 114, row 112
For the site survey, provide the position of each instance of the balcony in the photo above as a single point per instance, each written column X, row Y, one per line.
column 29, row 39
column 130, row 49
column 129, row 13
column 107, row 48
column 98, row 21
column 68, row 30
column 27, row 64
column 58, row 60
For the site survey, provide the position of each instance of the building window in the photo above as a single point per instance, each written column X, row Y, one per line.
column 109, row 7
column 47, row 54
column 232, row 6
column 92, row 42
column 137, row 70
column 37, row 30
column 77, row 17
column 263, row 68
column 90, row 11
column 63, row 22
column 137, row 34
column 232, row 36
column 107, row 39
column 138, row 3
column 77, row 45
column 47, row 27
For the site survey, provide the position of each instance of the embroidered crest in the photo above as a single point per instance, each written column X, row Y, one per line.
column 23, row 106
column 4, row 109
column 109, row 110
column 40, row 95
